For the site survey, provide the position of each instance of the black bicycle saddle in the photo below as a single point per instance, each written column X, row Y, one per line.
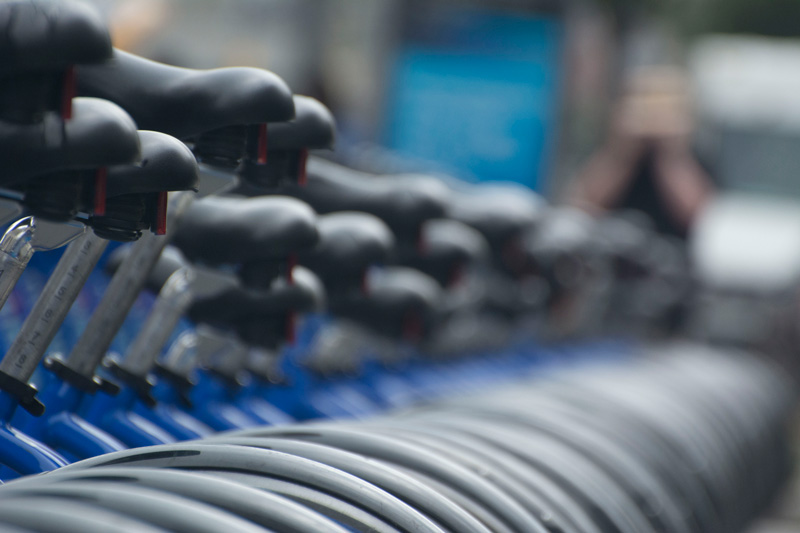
column 262, row 315
column 446, row 248
column 561, row 250
column 184, row 102
column 229, row 301
column 135, row 194
column 250, row 231
column 403, row 203
column 166, row 164
column 350, row 242
column 237, row 304
column 287, row 145
column 39, row 43
column 502, row 213
column 50, row 35
column 50, row 162
column 313, row 127
column 263, row 318
column 99, row 134
column 497, row 211
column 400, row 303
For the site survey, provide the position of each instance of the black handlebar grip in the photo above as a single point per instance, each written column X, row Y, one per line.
column 99, row 134
column 217, row 230
column 185, row 102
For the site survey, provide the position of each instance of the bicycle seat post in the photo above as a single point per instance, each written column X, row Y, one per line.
column 47, row 315
column 120, row 295
column 172, row 302
column 135, row 366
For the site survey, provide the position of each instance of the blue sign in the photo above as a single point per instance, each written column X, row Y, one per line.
column 479, row 94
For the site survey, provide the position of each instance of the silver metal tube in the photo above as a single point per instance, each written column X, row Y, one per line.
column 181, row 358
column 173, row 300
column 121, row 294
column 51, row 308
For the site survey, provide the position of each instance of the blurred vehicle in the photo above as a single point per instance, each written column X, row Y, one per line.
column 746, row 245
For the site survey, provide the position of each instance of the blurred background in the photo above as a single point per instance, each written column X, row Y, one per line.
column 512, row 90
column 685, row 110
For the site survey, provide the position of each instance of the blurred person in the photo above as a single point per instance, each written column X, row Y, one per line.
column 647, row 162
column 133, row 23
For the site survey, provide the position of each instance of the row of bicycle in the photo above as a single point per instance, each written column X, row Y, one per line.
column 286, row 287
column 396, row 273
